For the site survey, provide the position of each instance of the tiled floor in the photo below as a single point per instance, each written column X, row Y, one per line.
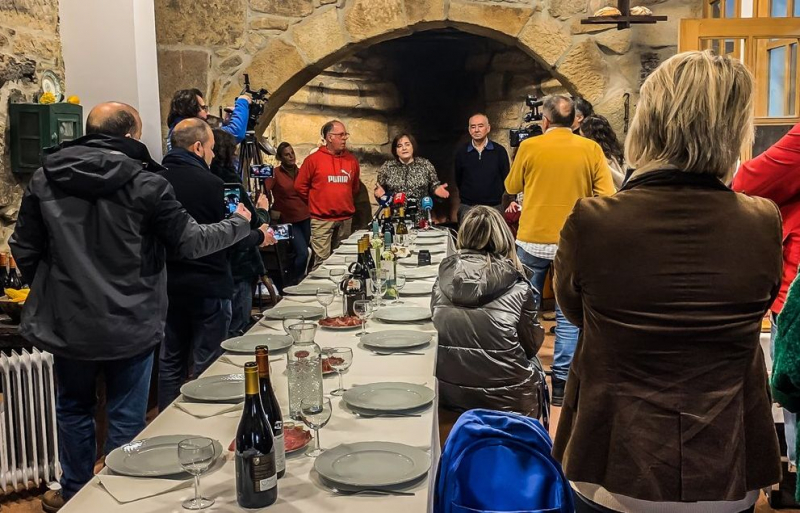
column 29, row 502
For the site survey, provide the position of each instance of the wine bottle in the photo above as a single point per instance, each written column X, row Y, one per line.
column 7, row 282
column 388, row 227
column 14, row 281
column 271, row 407
column 3, row 271
column 256, row 477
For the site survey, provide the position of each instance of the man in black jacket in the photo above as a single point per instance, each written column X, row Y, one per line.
column 199, row 290
column 90, row 239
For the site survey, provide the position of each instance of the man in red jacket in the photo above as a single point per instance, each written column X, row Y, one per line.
column 775, row 175
column 329, row 181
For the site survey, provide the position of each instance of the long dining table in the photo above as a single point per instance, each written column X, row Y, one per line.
column 301, row 489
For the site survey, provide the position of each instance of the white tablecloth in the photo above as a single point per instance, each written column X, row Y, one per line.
column 299, row 490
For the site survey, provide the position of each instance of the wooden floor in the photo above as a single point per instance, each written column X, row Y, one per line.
column 29, row 502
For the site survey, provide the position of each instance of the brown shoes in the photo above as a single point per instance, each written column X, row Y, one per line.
column 52, row 501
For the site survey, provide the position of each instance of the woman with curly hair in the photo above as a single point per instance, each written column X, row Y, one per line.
column 598, row 129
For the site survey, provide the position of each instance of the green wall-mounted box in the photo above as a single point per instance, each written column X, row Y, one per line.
column 35, row 127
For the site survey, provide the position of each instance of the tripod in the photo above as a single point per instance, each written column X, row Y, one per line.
column 251, row 152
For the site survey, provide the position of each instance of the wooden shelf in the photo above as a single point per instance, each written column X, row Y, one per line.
column 622, row 22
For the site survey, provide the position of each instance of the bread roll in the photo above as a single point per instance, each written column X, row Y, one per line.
column 608, row 11
column 641, row 10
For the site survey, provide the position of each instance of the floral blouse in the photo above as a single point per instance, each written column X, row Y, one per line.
column 417, row 179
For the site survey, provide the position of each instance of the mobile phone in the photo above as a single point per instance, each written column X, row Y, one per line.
column 282, row 231
column 261, row 171
column 232, row 196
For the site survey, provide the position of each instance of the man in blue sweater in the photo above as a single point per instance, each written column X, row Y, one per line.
column 189, row 103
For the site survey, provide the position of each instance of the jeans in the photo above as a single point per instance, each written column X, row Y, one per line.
column 196, row 326
column 566, row 332
column 127, row 389
column 300, row 241
column 789, row 418
column 241, row 307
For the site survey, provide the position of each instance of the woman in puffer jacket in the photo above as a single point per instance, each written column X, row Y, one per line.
column 484, row 312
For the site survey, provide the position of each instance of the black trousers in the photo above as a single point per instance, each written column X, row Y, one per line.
column 584, row 505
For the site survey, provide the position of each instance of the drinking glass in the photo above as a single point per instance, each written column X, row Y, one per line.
column 291, row 321
column 340, row 359
column 336, row 276
column 315, row 415
column 325, row 298
column 196, row 455
column 379, row 279
column 363, row 309
column 399, row 283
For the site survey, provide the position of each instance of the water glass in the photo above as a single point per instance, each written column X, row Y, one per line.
column 196, row 456
column 399, row 283
column 336, row 276
column 325, row 298
column 315, row 415
column 363, row 309
column 291, row 321
column 340, row 359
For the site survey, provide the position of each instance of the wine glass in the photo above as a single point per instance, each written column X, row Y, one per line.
column 325, row 298
column 336, row 276
column 196, row 455
column 340, row 359
column 291, row 321
column 399, row 283
column 363, row 309
column 315, row 415
column 379, row 279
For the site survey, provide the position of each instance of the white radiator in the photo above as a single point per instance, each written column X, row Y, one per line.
column 28, row 435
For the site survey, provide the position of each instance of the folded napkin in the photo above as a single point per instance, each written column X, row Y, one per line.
column 205, row 410
column 128, row 489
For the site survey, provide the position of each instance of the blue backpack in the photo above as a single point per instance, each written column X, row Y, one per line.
column 495, row 462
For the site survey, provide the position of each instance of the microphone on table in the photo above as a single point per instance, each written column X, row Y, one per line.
column 383, row 202
column 427, row 205
column 399, row 199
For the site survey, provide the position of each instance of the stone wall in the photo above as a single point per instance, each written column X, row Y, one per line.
column 29, row 44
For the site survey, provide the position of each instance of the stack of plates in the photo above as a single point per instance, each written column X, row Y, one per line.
column 223, row 388
column 247, row 344
column 395, row 339
column 151, row 457
column 371, row 465
column 403, row 314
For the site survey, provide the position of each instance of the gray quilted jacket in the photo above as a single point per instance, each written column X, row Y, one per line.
column 484, row 312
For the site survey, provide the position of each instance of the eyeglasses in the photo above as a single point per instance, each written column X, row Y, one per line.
column 341, row 134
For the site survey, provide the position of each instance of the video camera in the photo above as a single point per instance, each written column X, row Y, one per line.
column 257, row 105
column 517, row 135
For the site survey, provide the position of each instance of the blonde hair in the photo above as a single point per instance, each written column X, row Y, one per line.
column 695, row 112
column 484, row 229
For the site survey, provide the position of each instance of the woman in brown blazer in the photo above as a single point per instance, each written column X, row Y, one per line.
column 667, row 400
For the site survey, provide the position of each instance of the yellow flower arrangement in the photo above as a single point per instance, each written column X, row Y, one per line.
column 47, row 98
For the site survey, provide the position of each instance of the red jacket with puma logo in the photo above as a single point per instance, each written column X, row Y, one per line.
column 329, row 183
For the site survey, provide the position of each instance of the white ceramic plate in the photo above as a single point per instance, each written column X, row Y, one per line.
column 414, row 262
column 247, row 344
column 431, row 242
column 421, row 273
column 151, row 457
column 338, row 260
column 320, row 273
column 395, row 339
column 429, row 234
column 309, row 288
column 339, row 328
column 224, row 388
column 372, row 464
column 285, row 312
column 403, row 313
column 347, row 250
column 390, row 396
column 417, row 288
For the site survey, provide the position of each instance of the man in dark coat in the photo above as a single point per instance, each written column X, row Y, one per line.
column 91, row 239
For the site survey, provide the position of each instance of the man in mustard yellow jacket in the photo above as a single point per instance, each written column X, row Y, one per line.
column 553, row 171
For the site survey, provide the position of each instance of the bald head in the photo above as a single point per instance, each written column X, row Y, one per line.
column 114, row 119
column 559, row 111
column 194, row 135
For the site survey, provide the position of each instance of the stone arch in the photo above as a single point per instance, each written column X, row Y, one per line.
column 288, row 62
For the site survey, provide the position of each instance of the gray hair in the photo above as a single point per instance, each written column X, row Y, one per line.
column 695, row 112
column 484, row 229
column 559, row 110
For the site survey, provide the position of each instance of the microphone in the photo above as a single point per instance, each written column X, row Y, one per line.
column 427, row 205
column 383, row 202
column 400, row 199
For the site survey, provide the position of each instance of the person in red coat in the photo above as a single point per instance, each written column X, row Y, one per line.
column 775, row 175
column 329, row 180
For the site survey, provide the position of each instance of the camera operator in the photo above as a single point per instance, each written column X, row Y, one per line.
column 245, row 259
column 200, row 290
column 189, row 103
column 554, row 170
column 480, row 168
